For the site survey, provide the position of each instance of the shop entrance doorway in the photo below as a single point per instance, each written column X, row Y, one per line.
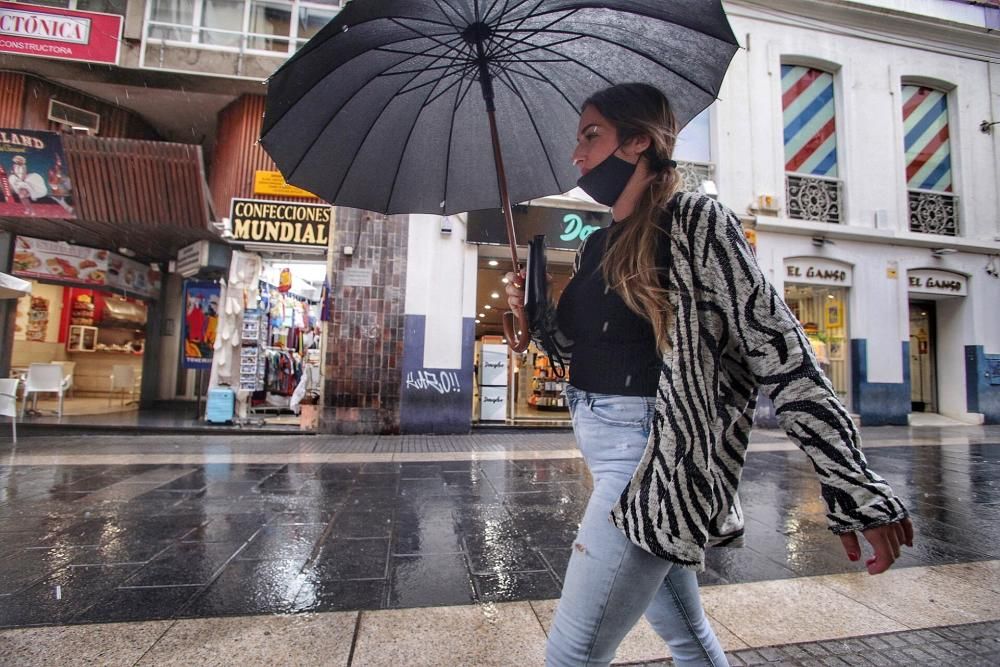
column 923, row 356
column 515, row 389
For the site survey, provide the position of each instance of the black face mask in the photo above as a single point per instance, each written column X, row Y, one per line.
column 605, row 182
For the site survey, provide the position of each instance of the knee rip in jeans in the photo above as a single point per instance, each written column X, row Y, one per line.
column 579, row 547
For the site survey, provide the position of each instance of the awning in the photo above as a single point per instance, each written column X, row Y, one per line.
column 148, row 196
column 12, row 287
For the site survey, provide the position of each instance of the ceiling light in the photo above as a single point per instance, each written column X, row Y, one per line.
column 493, row 262
column 504, row 281
column 495, row 295
column 482, row 314
column 477, row 321
column 487, row 307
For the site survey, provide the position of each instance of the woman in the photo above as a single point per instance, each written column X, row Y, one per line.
column 672, row 329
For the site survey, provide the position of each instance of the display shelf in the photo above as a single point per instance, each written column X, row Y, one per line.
column 547, row 389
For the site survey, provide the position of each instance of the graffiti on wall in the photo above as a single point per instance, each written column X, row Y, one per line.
column 443, row 382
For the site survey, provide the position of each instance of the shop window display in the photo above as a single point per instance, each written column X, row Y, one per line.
column 87, row 333
column 822, row 311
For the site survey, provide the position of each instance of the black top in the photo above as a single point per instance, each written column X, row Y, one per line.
column 614, row 349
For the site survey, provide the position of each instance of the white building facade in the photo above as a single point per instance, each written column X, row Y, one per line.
column 858, row 143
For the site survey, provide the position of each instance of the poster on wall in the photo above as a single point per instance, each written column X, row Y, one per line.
column 58, row 260
column 201, row 321
column 38, row 319
column 34, row 176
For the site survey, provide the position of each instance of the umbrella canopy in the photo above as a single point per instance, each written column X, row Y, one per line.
column 12, row 287
column 386, row 108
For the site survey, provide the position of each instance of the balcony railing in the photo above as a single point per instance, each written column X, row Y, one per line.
column 933, row 212
column 694, row 173
column 815, row 198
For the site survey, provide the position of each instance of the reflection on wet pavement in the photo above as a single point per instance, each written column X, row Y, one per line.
column 78, row 544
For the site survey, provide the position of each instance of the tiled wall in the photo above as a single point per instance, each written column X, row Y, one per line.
column 364, row 356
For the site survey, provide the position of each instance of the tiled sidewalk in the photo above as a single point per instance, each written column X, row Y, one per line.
column 972, row 645
column 85, row 543
column 842, row 620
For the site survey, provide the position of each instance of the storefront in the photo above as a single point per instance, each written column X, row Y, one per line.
column 278, row 286
column 926, row 289
column 817, row 292
column 521, row 389
column 87, row 314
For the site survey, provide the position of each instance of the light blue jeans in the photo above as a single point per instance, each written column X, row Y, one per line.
column 610, row 582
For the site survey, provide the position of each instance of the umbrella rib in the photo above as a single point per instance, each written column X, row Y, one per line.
column 409, row 135
column 534, row 31
column 459, row 80
column 577, row 62
column 487, row 13
column 445, row 14
column 530, row 14
column 303, row 156
column 505, row 79
column 360, row 144
column 461, row 18
column 632, row 50
column 556, row 88
column 434, row 82
column 509, row 50
column 455, row 65
column 433, row 38
column 451, row 138
column 539, row 78
column 297, row 58
column 427, row 53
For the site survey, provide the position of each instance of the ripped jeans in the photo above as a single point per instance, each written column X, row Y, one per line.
column 610, row 582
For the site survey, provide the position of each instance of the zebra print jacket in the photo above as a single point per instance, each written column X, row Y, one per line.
column 732, row 336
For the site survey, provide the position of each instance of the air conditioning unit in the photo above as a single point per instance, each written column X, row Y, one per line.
column 76, row 118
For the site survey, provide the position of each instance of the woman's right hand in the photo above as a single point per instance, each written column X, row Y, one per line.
column 515, row 291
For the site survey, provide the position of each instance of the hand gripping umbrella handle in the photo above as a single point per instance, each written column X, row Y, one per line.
column 515, row 328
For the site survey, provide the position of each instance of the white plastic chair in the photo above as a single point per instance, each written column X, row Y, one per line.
column 68, row 367
column 8, row 402
column 44, row 378
column 122, row 377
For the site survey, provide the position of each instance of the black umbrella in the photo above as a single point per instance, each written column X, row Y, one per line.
column 378, row 112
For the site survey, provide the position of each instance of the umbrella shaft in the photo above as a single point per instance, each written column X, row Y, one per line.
column 508, row 213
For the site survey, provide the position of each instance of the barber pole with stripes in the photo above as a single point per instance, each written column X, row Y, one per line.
column 809, row 121
column 928, row 150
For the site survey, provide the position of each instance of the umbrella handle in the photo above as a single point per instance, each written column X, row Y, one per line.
column 518, row 336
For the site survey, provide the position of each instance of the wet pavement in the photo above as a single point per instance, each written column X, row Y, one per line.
column 82, row 543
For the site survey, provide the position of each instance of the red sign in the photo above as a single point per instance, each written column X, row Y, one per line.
column 49, row 32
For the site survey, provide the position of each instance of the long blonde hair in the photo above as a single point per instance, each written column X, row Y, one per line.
column 630, row 260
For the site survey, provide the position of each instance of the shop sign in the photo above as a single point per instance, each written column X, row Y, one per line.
column 34, row 178
column 937, row 282
column 60, row 261
column 818, row 271
column 201, row 322
column 133, row 277
column 563, row 228
column 281, row 223
column 273, row 183
column 49, row 32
